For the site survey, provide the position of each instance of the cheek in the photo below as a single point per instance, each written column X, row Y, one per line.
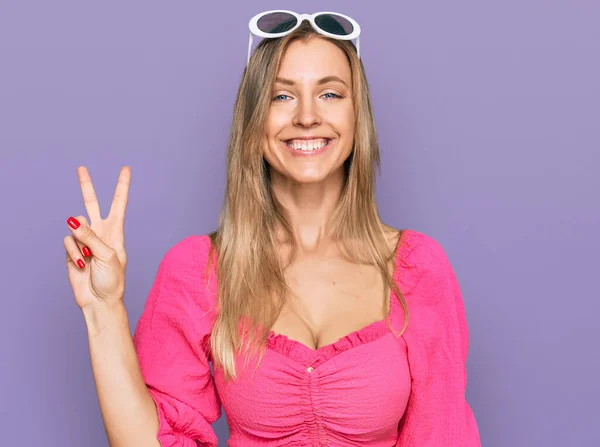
column 346, row 117
column 269, row 127
column 347, row 124
column 272, row 130
column 276, row 121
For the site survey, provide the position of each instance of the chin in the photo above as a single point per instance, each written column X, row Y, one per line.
column 307, row 170
column 307, row 178
column 314, row 175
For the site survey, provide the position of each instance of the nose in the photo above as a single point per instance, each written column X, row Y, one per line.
column 307, row 113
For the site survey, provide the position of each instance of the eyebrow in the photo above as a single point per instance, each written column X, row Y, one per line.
column 324, row 80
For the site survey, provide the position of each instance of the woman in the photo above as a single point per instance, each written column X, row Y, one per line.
column 327, row 328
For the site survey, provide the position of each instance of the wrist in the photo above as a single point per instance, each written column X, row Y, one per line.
column 102, row 315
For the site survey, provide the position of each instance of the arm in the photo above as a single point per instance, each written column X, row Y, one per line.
column 437, row 413
column 172, row 341
column 128, row 412
column 156, row 389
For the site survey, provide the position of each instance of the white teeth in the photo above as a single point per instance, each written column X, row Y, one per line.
column 307, row 145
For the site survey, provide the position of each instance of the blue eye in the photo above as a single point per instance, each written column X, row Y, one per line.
column 333, row 96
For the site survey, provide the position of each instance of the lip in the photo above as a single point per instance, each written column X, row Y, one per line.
column 309, row 153
column 314, row 137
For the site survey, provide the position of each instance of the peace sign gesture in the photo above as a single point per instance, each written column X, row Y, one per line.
column 95, row 252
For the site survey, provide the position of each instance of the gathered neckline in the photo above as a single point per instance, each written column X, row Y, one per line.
column 305, row 355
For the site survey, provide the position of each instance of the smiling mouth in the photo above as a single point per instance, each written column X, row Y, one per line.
column 308, row 145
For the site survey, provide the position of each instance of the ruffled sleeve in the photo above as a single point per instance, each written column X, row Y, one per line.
column 437, row 338
column 172, row 344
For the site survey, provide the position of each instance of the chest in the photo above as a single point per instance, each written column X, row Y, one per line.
column 355, row 395
column 331, row 297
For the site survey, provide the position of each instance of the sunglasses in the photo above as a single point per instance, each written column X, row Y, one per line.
column 278, row 23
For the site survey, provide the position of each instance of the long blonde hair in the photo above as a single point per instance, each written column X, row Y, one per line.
column 250, row 276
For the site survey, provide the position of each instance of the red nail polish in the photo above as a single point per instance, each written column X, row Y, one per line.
column 80, row 263
column 73, row 223
column 86, row 251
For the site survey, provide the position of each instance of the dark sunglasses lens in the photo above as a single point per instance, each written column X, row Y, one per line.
column 334, row 24
column 276, row 22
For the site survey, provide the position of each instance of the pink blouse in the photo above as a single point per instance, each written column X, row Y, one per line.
column 369, row 388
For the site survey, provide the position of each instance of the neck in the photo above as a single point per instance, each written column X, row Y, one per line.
column 310, row 207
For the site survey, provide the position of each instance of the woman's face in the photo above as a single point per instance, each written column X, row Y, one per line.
column 310, row 127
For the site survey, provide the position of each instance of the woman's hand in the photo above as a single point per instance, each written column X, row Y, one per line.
column 95, row 252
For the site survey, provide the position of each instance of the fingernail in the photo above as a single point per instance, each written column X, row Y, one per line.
column 73, row 223
column 80, row 263
column 86, row 251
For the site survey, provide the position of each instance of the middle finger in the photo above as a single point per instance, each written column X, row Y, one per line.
column 119, row 203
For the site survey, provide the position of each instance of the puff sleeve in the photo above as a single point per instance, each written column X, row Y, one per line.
column 437, row 413
column 172, row 340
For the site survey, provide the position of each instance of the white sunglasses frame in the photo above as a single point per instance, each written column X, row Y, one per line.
column 255, row 31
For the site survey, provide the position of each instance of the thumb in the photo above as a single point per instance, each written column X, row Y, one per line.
column 83, row 233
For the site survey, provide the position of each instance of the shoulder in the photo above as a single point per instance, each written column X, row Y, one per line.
column 422, row 251
column 422, row 263
column 188, row 253
column 183, row 274
column 415, row 247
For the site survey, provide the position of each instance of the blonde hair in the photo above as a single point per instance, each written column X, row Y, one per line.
column 250, row 277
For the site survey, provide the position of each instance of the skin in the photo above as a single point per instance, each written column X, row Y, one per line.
column 310, row 186
column 332, row 296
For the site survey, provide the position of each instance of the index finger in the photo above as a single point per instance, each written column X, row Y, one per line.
column 119, row 203
column 90, row 200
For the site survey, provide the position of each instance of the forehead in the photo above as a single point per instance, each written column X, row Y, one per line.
column 314, row 60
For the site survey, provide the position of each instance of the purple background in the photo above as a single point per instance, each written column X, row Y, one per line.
column 488, row 118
